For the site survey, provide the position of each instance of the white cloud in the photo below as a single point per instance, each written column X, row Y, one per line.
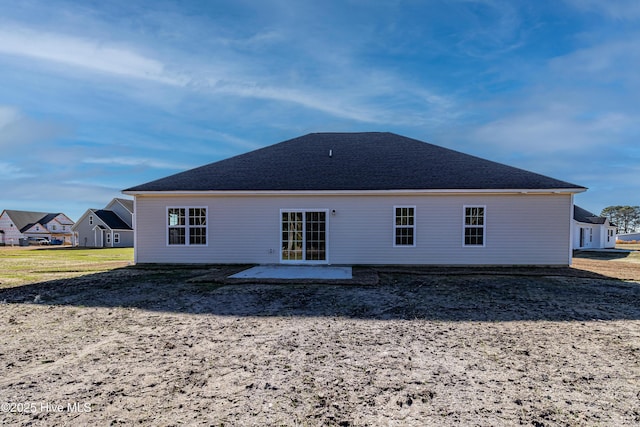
column 309, row 98
column 8, row 115
column 45, row 195
column 9, row 171
column 553, row 130
column 624, row 10
column 353, row 93
column 132, row 161
column 83, row 53
column 232, row 140
column 255, row 41
column 584, row 100
column 606, row 61
column 478, row 38
column 361, row 95
column 17, row 130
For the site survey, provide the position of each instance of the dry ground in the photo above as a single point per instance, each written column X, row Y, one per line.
column 425, row 347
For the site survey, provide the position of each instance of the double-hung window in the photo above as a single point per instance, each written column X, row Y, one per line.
column 187, row 226
column 474, row 225
column 404, row 226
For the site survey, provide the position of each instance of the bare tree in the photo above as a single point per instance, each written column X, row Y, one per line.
column 626, row 218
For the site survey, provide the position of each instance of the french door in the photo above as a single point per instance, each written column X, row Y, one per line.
column 304, row 236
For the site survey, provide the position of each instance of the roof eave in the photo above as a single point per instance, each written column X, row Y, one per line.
column 352, row 192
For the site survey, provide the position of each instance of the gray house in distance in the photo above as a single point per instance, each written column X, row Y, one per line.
column 355, row 198
column 110, row 227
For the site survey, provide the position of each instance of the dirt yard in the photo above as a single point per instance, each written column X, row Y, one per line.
column 157, row 346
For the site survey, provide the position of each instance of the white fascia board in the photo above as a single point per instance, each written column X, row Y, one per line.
column 350, row 192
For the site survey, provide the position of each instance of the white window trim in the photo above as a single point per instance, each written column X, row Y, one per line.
column 116, row 238
column 186, row 226
column 484, row 226
column 415, row 226
column 304, row 237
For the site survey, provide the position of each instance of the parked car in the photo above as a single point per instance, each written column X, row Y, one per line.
column 56, row 242
column 37, row 241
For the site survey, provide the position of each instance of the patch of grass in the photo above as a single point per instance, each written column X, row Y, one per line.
column 21, row 266
column 633, row 256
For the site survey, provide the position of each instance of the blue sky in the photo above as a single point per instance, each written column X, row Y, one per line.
column 98, row 96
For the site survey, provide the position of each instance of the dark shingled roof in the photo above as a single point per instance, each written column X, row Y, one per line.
column 583, row 215
column 112, row 220
column 358, row 161
column 23, row 220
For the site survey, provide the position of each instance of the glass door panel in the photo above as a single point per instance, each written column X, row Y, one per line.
column 292, row 237
column 304, row 236
column 315, row 224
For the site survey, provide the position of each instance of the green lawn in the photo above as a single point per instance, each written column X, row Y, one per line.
column 27, row 265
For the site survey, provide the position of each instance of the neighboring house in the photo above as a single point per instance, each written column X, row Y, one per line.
column 109, row 227
column 592, row 231
column 16, row 225
column 355, row 198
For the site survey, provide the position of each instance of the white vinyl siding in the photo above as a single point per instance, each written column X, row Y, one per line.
column 11, row 234
column 529, row 229
column 587, row 236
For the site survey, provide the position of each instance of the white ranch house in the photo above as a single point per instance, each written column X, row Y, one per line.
column 355, row 198
column 592, row 231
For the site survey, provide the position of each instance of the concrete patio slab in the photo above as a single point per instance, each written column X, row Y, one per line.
column 295, row 272
column 607, row 250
